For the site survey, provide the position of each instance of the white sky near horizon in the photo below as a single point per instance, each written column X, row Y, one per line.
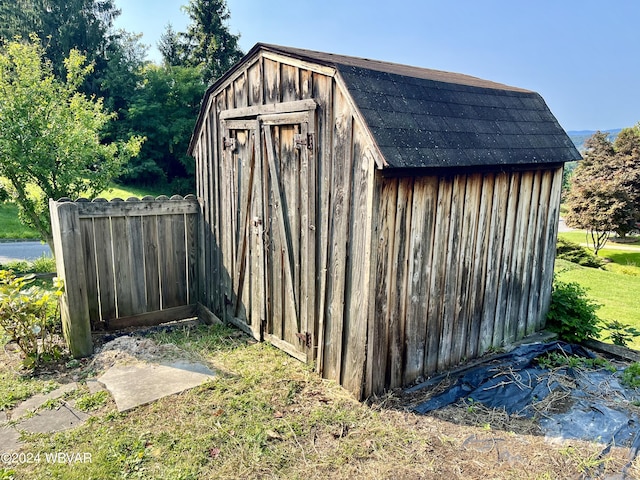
column 580, row 55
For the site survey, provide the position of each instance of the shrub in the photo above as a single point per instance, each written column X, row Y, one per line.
column 29, row 315
column 572, row 315
column 572, row 252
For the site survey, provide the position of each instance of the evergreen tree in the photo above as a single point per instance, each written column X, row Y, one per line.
column 209, row 44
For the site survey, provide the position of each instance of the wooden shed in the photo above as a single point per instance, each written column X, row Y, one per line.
column 382, row 221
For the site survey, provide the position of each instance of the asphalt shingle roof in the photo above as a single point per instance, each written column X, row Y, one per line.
column 419, row 122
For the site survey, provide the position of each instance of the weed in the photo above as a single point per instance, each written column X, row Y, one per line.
column 631, row 375
column 93, row 401
column 51, row 404
column 7, row 474
column 552, row 360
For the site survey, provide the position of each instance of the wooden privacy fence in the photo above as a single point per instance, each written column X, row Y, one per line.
column 125, row 263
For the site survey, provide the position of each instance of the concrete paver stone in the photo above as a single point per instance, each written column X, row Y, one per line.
column 35, row 402
column 9, row 439
column 54, row 420
column 140, row 383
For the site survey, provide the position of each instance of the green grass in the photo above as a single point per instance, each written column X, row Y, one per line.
column 10, row 226
column 124, row 192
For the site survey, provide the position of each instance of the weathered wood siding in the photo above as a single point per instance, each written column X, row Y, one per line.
column 464, row 262
column 389, row 279
column 334, row 190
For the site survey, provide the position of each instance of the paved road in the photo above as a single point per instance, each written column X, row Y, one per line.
column 11, row 251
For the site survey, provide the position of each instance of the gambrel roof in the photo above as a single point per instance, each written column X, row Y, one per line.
column 420, row 117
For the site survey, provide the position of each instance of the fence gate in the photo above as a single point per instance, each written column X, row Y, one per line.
column 125, row 263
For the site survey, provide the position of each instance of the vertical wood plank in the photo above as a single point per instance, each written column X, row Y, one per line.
column 386, row 193
column 122, row 266
column 275, row 261
column 337, row 241
column 357, row 275
column 178, row 283
column 215, row 164
column 535, row 319
column 397, row 301
column 105, row 268
column 425, row 197
column 480, row 268
column 136, row 265
column 465, row 273
column 490, row 334
column 192, row 235
column 258, row 272
column 152, row 269
column 307, row 237
column 503, row 321
column 88, row 241
column 516, row 325
column 323, row 93
column 271, row 81
column 254, row 76
column 289, row 82
column 446, row 355
column 438, row 276
column 524, row 323
column 306, row 84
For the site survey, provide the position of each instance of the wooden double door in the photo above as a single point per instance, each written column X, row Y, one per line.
column 271, row 177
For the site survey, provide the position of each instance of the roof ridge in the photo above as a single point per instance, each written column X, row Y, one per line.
column 334, row 60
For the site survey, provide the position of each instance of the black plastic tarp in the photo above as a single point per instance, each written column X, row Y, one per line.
column 599, row 406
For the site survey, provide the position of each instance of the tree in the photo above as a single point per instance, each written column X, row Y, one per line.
column 602, row 198
column 50, row 142
column 62, row 25
column 164, row 110
column 627, row 165
column 209, row 44
column 172, row 47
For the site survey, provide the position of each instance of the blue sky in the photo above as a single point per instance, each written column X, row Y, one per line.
column 582, row 56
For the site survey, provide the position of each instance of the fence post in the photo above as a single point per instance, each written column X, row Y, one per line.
column 69, row 253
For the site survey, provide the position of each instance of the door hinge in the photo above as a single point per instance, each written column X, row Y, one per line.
column 305, row 338
column 301, row 140
column 229, row 143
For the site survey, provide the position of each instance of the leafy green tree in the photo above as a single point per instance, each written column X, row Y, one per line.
column 50, row 142
column 601, row 199
column 209, row 44
column 63, row 25
column 164, row 110
column 627, row 167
